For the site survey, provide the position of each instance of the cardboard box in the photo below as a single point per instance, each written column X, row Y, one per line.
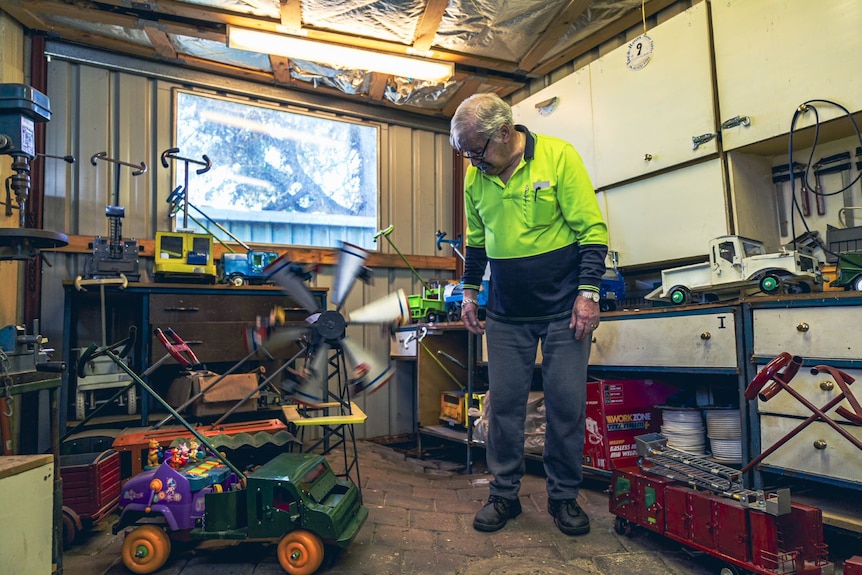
column 617, row 412
column 218, row 400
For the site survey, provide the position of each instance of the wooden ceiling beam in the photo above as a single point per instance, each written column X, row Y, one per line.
column 467, row 89
column 426, row 31
column 603, row 34
column 26, row 16
column 549, row 38
column 377, row 86
column 291, row 14
column 161, row 42
column 281, row 69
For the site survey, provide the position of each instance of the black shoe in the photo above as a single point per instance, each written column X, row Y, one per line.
column 569, row 517
column 496, row 513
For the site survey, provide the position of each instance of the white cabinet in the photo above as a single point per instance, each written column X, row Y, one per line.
column 564, row 110
column 27, row 501
column 644, row 120
column 821, row 330
column 773, row 55
column 669, row 216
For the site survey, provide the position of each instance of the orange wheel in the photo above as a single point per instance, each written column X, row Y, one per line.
column 300, row 552
column 146, row 549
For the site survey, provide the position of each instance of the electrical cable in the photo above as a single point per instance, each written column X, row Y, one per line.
column 809, row 105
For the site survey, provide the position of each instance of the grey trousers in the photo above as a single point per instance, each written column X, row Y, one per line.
column 511, row 361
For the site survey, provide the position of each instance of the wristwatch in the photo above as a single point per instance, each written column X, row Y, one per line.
column 590, row 294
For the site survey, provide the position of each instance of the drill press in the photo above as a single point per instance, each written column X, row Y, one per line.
column 20, row 108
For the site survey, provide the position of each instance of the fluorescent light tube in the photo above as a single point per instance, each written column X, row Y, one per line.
column 334, row 54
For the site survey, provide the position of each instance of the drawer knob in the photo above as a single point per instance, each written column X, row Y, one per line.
column 802, row 327
column 593, row 339
column 820, row 444
column 647, row 157
column 827, row 385
column 705, row 336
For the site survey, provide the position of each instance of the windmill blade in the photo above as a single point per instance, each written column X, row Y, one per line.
column 277, row 342
column 391, row 308
column 350, row 265
column 291, row 278
column 312, row 390
column 367, row 374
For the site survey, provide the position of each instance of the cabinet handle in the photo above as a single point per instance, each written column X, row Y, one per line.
column 183, row 309
column 820, row 444
column 647, row 157
column 697, row 141
column 802, row 327
column 705, row 336
column 827, row 385
column 593, row 339
column 744, row 121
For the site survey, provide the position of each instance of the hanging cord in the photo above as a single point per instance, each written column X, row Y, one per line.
column 802, row 109
column 643, row 14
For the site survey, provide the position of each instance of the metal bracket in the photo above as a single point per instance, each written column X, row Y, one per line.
column 697, row 141
column 744, row 121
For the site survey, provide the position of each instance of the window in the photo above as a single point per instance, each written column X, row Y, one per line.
column 276, row 176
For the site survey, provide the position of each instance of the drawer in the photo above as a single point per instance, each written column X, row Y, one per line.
column 819, row 389
column 211, row 342
column 807, row 332
column 166, row 310
column 695, row 340
column 838, row 459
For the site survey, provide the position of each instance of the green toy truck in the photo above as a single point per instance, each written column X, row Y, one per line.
column 295, row 499
column 849, row 271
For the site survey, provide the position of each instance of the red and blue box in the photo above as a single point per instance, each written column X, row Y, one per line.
column 619, row 410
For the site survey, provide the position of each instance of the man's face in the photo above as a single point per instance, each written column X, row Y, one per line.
column 482, row 153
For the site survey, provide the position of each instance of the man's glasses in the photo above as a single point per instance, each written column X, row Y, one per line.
column 480, row 156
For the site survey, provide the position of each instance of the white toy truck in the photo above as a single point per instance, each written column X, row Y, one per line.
column 737, row 266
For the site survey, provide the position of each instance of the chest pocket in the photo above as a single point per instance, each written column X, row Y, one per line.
column 540, row 207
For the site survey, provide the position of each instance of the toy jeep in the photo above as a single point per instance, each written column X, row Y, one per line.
column 295, row 499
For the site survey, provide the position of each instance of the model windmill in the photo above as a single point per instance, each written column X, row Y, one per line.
column 325, row 330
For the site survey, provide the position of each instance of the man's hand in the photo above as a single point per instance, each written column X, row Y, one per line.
column 585, row 317
column 470, row 313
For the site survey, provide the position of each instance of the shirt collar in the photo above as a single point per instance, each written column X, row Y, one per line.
column 530, row 144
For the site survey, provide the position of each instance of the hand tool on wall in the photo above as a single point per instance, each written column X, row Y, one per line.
column 781, row 174
column 839, row 163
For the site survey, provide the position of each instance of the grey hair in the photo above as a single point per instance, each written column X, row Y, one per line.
column 483, row 114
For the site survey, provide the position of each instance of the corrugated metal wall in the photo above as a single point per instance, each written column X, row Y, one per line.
column 103, row 108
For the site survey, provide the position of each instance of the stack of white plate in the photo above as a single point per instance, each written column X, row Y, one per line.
column 684, row 430
column 724, row 430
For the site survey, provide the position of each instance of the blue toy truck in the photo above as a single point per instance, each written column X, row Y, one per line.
column 247, row 268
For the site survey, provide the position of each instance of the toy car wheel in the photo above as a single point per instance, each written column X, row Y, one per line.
column 300, row 552
column 857, row 283
column 680, row 296
column 238, row 281
column 70, row 527
column 770, row 284
column 146, row 549
column 431, row 317
column 622, row 526
column 730, row 570
column 607, row 305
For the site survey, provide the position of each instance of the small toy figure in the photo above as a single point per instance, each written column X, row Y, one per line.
column 153, row 454
column 175, row 461
column 184, row 453
column 194, row 448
